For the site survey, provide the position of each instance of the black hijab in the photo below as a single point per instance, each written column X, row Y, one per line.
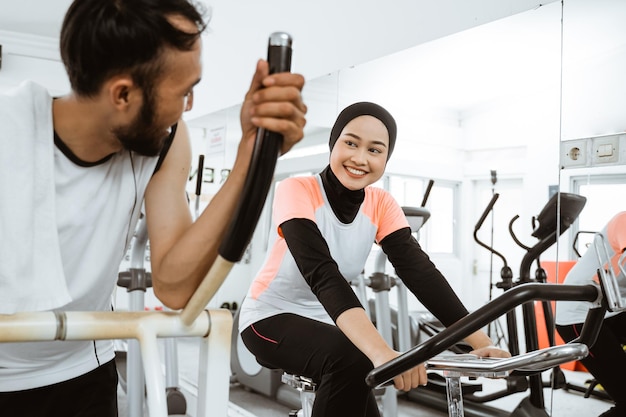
column 364, row 108
column 344, row 202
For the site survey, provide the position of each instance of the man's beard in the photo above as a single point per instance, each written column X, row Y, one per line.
column 143, row 136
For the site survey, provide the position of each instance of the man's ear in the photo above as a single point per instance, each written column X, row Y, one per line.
column 124, row 94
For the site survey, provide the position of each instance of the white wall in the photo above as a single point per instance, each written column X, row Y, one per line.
column 29, row 57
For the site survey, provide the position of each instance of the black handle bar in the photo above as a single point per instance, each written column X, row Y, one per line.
column 477, row 320
column 429, row 188
column 266, row 151
column 479, row 224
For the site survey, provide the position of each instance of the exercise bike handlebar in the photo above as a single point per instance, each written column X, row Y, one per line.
column 489, row 207
column 477, row 320
column 607, row 274
column 479, row 224
column 536, row 361
column 429, row 188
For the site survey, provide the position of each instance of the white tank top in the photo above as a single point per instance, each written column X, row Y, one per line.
column 97, row 210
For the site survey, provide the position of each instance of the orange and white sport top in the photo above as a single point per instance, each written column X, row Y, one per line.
column 280, row 287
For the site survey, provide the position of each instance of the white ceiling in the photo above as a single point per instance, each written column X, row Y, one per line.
column 328, row 34
column 443, row 56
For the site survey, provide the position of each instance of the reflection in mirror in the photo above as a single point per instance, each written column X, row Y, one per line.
column 593, row 165
column 478, row 112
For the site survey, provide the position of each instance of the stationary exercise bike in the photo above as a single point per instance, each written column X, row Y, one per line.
column 604, row 297
column 572, row 204
column 546, row 230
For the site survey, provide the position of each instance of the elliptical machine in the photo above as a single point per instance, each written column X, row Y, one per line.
column 546, row 230
column 137, row 280
column 130, row 370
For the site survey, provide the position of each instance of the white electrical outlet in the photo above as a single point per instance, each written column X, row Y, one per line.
column 594, row 151
column 574, row 153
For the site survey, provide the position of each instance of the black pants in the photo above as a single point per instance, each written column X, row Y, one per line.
column 606, row 360
column 320, row 351
column 91, row 395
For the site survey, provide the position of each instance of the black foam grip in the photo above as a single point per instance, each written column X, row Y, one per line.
column 478, row 320
column 199, row 177
column 259, row 179
column 486, row 212
column 429, row 187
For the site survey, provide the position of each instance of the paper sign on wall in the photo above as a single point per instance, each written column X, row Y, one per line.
column 216, row 140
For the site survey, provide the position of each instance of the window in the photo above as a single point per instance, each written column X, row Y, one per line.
column 605, row 194
column 437, row 234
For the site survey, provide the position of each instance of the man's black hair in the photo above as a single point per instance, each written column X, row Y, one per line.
column 103, row 38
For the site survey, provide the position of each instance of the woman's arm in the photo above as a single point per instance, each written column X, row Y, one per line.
column 427, row 283
column 355, row 324
column 421, row 276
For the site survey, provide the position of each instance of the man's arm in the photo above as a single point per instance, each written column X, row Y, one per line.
column 182, row 252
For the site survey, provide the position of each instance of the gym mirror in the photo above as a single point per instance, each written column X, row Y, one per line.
column 482, row 112
column 593, row 147
column 474, row 107
column 479, row 113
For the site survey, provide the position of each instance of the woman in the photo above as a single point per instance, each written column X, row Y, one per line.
column 300, row 314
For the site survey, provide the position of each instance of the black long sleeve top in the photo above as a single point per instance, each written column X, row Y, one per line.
column 411, row 263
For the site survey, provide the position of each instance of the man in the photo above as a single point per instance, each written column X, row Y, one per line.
column 85, row 163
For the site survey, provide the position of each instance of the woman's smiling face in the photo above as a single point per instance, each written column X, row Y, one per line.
column 359, row 156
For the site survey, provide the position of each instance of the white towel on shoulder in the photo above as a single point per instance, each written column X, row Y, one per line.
column 31, row 271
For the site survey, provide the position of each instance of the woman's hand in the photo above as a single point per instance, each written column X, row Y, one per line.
column 407, row 380
column 483, row 346
column 491, row 352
